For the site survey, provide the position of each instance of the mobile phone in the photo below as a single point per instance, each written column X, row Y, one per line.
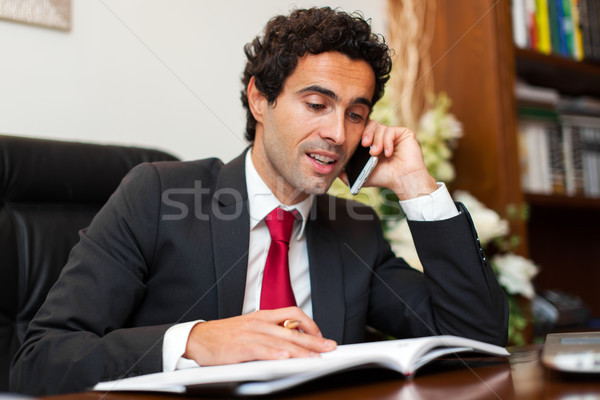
column 359, row 167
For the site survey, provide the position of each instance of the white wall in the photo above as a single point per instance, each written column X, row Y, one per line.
column 156, row 73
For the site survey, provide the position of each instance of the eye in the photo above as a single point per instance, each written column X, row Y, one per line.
column 355, row 117
column 315, row 106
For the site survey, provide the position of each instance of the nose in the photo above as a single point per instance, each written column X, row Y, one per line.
column 335, row 131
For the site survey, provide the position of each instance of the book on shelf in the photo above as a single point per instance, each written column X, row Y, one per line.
column 566, row 26
column 530, row 12
column 585, row 28
column 559, row 142
column 589, row 25
column 577, row 34
column 520, row 28
column 582, row 105
column 569, row 28
column 540, row 137
column 586, row 131
column 542, row 20
column 536, row 95
column 560, row 148
column 574, row 180
column 593, row 16
column 404, row 356
column 555, row 21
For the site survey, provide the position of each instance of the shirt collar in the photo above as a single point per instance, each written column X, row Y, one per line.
column 261, row 200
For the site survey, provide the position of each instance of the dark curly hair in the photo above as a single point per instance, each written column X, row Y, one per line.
column 272, row 58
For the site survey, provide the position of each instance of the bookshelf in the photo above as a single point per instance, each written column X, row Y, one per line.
column 476, row 63
column 567, row 76
column 562, row 201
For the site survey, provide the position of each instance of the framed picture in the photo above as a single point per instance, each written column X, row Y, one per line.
column 54, row 14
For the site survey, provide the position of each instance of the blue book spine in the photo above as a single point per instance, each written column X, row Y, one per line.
column 562, row 37
column 554, row 26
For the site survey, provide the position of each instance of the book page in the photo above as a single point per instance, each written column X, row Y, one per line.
column 177, row 381
column 403, row 356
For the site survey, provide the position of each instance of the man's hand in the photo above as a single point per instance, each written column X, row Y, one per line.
column 401, row 167
column 256, row 336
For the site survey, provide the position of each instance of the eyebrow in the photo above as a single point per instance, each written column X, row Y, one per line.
column 332, row 95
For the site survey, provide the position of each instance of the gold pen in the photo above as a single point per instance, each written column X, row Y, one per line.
column 291, row 323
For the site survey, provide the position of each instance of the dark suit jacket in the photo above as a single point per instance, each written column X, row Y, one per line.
column 171, row 245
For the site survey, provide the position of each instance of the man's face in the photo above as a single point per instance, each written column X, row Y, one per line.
column 305, row 138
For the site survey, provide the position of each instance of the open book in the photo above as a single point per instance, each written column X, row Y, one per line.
column 265, row 377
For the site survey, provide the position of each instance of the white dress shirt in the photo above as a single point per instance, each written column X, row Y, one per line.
column 261, row 201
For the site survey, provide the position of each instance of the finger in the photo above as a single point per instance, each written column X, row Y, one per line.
column 308, row 326
column 299, row 344
column 241, row 339
column 279, row 316
column 309, row 342
column 270, row 322
column 264, row 351
column 389, row 140
column 309, row 336
column 367, row 136
column 253, row 336
column 377, row 145
column 250, row 346
column 262, row 346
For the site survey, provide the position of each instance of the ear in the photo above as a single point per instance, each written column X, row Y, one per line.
column 257, row 101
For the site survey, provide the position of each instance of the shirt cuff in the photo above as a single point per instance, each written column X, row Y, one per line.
column 174, row 344
column 432, row 207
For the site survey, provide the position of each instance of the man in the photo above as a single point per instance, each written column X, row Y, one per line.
column 173, row 270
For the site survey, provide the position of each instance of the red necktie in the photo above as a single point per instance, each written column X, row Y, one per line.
column 276, row 285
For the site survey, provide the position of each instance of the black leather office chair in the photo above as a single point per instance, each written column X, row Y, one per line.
column 49, row 190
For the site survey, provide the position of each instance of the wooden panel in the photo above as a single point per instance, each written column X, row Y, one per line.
column 459, row 58
column 472, row 54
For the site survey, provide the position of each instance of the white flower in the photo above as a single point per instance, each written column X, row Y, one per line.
column 452, row 128
column 468, row 200
column 489, row 225
column 515, row 273
column 401, row 241
column 409, row 253
column 487, row 222
column 398, row 231
column 445, row 172
column 427, row 124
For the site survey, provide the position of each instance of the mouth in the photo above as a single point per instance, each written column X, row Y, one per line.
column 323, row 163
column 321, row 159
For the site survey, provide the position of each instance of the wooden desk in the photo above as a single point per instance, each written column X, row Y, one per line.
column 520, row 377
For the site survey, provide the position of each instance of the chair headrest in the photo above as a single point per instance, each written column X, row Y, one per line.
column 51, row 170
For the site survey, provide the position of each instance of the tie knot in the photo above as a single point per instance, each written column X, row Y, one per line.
column 280, row 224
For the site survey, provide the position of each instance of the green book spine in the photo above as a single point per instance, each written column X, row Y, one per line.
column 568, row 27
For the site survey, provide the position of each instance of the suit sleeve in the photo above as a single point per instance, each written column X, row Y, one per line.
column 458, row 293
column 80, row 335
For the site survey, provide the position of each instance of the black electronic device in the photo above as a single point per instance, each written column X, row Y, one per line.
column 359, row 167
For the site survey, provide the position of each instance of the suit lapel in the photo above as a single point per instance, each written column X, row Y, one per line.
column 326, row 274
column 231, row 234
